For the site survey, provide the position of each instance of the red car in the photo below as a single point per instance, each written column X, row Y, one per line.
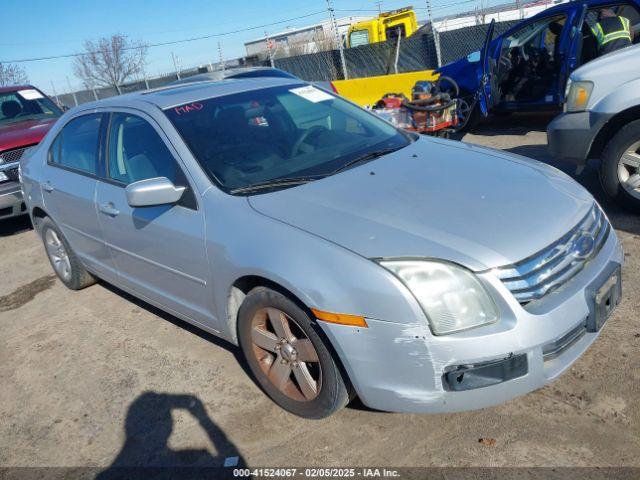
column 26, row 115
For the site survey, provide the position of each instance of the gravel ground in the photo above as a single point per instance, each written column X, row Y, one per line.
column 97, row 378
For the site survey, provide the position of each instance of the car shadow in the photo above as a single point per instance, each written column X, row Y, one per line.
column 514, row 124
column 146, row 453
column 15, row 225
column 209, row 337
column 355, row 404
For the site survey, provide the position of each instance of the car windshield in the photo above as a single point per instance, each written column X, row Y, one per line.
column 280, row 136
column 26, row 104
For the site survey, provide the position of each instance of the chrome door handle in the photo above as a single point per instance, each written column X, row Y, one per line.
column 108, row 209
column 47, row 187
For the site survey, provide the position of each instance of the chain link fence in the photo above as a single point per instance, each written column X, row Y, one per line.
column 455, row 44
column 426, row 49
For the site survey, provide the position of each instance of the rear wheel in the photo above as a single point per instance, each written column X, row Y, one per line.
column 64, row 261
column 620, row 167
column 287, row 356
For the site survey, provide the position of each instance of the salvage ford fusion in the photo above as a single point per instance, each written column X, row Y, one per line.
column 344, row 256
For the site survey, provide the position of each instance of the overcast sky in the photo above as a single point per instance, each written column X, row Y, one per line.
column 41, row 28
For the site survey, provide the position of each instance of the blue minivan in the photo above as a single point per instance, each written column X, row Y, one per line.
column 527, row 67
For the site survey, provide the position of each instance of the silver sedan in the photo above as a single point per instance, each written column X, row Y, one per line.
column 345, row 257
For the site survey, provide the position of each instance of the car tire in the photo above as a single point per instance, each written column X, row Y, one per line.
column 64, row 261
column 609, row 168
column 287, row 356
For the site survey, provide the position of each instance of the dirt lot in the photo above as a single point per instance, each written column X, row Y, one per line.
column 98, row 378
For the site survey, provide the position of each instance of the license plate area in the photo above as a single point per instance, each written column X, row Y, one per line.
column 604, row 300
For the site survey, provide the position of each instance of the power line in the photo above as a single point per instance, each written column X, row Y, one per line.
column 440, row 6
column 173, row 42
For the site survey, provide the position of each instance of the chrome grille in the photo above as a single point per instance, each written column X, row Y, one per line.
column 12, row 156
column 552, row 267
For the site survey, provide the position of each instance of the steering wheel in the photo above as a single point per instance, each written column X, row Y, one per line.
column 303, row 136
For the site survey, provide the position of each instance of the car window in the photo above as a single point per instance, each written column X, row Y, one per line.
column 279, row 133
column 26, row 104
column 590, row 48
column 359, row 37
column 76, row 146
column 623, row 10
column 136, row 152
column 545, row 33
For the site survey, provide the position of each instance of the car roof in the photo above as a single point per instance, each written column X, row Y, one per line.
column 174, row 95
column 13, row 88
column 562, row 7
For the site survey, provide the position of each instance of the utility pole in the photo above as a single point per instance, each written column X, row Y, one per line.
column 53, row 89
column 334, row 23
column 75, row 99
column 379, row 5
column 269, row 48
column 436, row 35
column 221, row 58
column 519, row 7
column 175, row 65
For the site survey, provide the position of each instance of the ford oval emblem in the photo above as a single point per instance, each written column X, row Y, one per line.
column 583, row 245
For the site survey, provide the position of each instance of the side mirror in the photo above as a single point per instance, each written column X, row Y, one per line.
column 153, row 191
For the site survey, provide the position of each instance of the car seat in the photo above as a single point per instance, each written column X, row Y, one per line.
column 11, row 108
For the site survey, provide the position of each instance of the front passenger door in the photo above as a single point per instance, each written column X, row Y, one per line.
column 159, row 250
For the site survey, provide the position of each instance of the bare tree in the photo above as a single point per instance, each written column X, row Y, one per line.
column 12, row 74
column 109, row 62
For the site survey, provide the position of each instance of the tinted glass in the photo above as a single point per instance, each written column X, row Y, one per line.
column 77, row 144
column 279, row 133
column 136, row 152
column 26, row 104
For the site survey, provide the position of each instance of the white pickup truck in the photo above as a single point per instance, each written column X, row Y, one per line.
column 601, row 120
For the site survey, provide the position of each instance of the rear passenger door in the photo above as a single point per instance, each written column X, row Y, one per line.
column 159, row 250
column 69, row 188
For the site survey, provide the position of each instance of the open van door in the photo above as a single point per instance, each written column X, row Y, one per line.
column 488, row 93
column 573, row 52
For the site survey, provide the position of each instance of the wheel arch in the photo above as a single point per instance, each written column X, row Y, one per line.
column 37, row 215
column 243, row 285
column 610, row 128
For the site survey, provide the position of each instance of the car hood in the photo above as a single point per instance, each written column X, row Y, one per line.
column 471, row 205
column 623, row 62
column 26, row 132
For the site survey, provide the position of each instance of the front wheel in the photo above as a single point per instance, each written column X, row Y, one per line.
column 287, row 356
column 620, row 167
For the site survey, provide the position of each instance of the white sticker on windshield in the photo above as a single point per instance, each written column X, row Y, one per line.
column 30, row 94
column 311, row 93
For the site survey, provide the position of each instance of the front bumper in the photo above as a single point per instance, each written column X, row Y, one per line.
column 11, row 202
column 570, row 135
column 402, row 367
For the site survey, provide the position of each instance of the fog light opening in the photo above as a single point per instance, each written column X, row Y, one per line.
column 485, row 374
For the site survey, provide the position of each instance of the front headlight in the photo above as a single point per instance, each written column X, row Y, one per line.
column 452, row 298
column 577, row 96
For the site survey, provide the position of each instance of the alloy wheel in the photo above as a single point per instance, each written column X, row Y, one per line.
column 57, row 254
column 629, row 170
column 285, row 354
